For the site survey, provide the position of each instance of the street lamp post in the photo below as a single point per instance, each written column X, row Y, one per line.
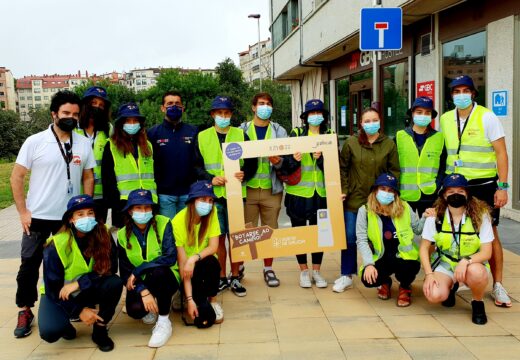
column 257, row 17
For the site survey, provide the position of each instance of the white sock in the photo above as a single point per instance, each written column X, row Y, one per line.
column 163, row 318
column 267, row 268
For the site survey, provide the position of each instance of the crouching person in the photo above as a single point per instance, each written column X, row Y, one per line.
column 79, row 267
column 385, row 230
column 148, row 264
column 463, row 234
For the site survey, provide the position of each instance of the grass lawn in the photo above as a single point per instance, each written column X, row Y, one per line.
column 6, row 197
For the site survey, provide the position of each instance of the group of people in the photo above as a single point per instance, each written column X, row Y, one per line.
column 165, row 187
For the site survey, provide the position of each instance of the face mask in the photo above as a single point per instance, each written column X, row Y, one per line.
column 422, row 120
column 67, row 124
column 264, row 111
column 385, row 197
column 142, row 217
column 85, row 224
column 371, row 128
column 131, row 129
column 456, row 200
column 462, row 101
column 99, row 117
column 174, row 113
column 203, row 208
column 222, row 122
column 315, row 120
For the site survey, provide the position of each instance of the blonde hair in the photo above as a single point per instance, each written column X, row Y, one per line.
column 394, row 210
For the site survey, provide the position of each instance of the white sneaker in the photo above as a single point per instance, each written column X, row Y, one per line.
column 500, row 296
column 161, row 333
column 176, row 301
column 318, row 279
column 150, row 318
column 305, row 279
column 219, row 312
column 342, row 283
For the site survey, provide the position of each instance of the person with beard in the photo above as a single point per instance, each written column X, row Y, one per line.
column 60, row 164
column 94, row 124
column 127, row 162
column 174, row 155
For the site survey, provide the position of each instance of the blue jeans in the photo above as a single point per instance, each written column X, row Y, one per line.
column 349, row 256
column 222, row 217
column 170, row 205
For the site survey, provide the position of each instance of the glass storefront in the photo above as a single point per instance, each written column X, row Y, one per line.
column 342, row 108
column 395, row 97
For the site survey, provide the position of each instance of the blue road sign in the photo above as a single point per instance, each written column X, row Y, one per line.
column 381, row 29
column 499, row 100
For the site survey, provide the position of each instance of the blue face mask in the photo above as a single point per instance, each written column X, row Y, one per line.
column 131, row 129
column 203, row 208
column 315, row 120
column 222, row 122
column 174, row 112
column 264, row 112
column 462, row 101
column 85, row 224
column 372, row 127
column 422, row 120
column 142, row 217
column 385, row 197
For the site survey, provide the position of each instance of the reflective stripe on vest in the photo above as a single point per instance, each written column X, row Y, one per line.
column 262, row 178
column 130, row 176
column 211, row 152
column 418, row 172
column 153, row 248
column 476, row 152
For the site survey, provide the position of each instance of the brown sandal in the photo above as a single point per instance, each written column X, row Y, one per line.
column 383, row 292
column 405, row 297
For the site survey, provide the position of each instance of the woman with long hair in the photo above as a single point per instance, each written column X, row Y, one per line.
column 363, row 158
column 196, row 230
column 127, row 162
column 79, row 271
column 385, row 230
column 463, row 234
column 148, row 264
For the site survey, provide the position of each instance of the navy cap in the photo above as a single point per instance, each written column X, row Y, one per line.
column 139, row 197
column 221, row 102
column 423, row 102
column 96, row 91
column 129, row 110
column 463, row 80
column 200, row 189
column 78, row 202
column 454, row 180
column 314, row 105
column 387, row 179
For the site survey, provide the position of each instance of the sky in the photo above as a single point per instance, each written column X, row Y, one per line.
column 100, row 36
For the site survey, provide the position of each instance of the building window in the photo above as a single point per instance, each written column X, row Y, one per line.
column 464, row 56
column 37, row 98
column 395, row 98
column 22, row 97
column 37, row 90
column 287, row 20
column 29, row 97
column 45, row 98
column 45, row 90
column 2, row 93
column 342, row 111
column 22, row 106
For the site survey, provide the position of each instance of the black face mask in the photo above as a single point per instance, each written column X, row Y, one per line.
column 67, row 124
column 99, row 117
column 456, row 200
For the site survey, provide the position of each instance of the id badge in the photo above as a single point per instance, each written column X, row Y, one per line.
column 458, row 163
column 70, row 188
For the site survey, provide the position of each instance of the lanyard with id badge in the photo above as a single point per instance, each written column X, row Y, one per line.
column 458, row 162
column 67, row 157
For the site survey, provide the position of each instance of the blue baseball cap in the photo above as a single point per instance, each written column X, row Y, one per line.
column 314, row 105
column 200, row 189
column 423, row 102
column 96, row 91
column 139, row 197
column 221, row 102
column 129, row 110
column 78, row 202
column 454, row 180
column 463, row 80
column 387, row 179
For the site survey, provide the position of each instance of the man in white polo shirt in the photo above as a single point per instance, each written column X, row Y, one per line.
column 60, row 162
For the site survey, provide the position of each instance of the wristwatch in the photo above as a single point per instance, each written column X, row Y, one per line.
column 503, row 185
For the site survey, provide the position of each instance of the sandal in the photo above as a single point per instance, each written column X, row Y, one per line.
column 270, row 278
column 383, row 292
column 405, row 297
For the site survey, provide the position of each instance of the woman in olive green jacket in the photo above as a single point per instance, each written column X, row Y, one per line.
column 362, row 159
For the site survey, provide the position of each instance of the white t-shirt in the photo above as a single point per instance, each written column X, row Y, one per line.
column 47, row 197
column 485, row 234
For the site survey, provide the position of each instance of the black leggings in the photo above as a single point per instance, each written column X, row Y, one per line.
column 405, row 271
column 317, row 257
column 54, row 321
column 162, row 284
column 205, row 280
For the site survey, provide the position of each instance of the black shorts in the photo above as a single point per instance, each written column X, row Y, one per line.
column 486, row 192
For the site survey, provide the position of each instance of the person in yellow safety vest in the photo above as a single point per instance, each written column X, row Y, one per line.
column 303, row 200
column 385, row 229
column 209, row 165
column 127, row 162
column 422, row 157
column 148, row 264
column 476, row 147
column 79, row 272
column 94, row 124
column 264, row 190
column 463, row 234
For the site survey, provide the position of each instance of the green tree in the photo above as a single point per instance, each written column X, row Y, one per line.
column 13, row 133
column 39, row 120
